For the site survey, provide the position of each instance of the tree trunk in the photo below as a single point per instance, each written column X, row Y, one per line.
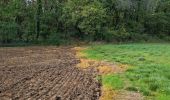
column 80, row 33
column 38, row 18
column 18, row 21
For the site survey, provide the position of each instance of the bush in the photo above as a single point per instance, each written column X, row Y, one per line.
column 7, row 32
column 158, row 24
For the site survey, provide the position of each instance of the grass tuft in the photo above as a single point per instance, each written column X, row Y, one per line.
column 113, row 81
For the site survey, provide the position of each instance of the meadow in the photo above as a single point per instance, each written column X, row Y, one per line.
column 148, row 67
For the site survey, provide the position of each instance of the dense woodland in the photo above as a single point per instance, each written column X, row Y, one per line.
column 60, row 21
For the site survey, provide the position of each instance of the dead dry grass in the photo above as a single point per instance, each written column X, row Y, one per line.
column 106, row 68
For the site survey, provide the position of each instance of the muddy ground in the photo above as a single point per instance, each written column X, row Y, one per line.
column 46, row 73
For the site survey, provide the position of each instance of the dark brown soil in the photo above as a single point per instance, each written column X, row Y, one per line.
column 46, row 73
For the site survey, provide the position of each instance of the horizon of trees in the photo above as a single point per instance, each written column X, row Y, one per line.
column 94, row 20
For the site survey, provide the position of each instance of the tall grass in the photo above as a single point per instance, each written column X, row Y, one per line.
column 149, row 65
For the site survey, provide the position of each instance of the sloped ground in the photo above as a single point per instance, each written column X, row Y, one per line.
column 46, row 73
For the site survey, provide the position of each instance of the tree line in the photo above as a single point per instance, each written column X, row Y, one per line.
column 92, row 20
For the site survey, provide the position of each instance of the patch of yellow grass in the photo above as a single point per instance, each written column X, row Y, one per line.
column 79, row 48
column 79, row 53
column 123, row 66
column 83, row 64
column 105, row 69
column 107, row 93
column 86, row 63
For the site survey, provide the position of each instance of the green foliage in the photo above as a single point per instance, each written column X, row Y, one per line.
column 7, row 31
column 118, row 35
column 85, row 16
column 158, row 23
column 93, row 20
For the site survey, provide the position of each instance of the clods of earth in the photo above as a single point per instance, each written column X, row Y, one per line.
column 46, row 73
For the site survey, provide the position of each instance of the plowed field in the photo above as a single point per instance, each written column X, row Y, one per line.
column 46, row 73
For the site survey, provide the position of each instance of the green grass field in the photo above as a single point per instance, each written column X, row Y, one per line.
column 112, row 81
column 149, row 66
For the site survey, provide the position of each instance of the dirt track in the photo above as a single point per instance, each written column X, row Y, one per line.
column 45, row 73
